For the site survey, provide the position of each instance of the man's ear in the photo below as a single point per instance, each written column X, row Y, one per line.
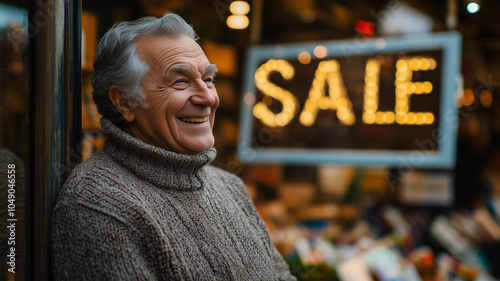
column 116, row 94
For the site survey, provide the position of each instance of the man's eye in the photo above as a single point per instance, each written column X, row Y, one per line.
column 209, row 80
column 180, row 81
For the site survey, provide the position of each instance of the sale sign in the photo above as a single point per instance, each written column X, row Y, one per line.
column 375, row 102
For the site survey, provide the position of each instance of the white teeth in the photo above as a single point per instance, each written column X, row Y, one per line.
column 194, row 119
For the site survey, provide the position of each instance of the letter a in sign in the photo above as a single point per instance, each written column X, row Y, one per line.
column 328, row 72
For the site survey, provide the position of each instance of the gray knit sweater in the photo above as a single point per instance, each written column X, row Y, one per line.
column 138, row 212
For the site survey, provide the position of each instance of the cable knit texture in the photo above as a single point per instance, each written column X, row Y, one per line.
column 138, row 212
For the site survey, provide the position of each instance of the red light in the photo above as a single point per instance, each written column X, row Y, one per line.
column 364, row 27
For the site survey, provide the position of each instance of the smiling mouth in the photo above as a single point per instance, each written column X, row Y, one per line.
column 194, row 120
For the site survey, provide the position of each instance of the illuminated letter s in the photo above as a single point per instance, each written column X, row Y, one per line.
column 289, row 102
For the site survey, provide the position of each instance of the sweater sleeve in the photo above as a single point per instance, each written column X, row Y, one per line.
column 89, row 243
column 281, row 267
column 243, row 197
column 282, row 270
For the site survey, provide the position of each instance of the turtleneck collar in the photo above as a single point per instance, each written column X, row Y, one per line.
column 162, row 168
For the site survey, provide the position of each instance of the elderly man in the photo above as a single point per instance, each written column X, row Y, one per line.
column 149, row 206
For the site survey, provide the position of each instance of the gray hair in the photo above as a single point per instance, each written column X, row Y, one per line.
column 118, row 63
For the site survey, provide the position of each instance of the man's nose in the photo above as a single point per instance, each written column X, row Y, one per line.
column 203, row 95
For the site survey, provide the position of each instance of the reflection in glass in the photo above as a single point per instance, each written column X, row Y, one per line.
column 14, row 142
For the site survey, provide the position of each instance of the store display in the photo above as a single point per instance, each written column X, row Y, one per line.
column 392, row 241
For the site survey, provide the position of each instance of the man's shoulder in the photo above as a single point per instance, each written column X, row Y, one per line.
column 98, row 175
column 96, row 168
column 221, row 174
column 227, row 180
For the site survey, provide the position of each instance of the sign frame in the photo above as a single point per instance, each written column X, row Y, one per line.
column 451, row 45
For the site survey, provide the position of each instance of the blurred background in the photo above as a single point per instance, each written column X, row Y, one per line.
column 330, row 221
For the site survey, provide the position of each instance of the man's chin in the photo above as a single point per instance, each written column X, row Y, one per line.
column 199, row 147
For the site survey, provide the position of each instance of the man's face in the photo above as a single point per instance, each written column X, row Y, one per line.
column 181, row 95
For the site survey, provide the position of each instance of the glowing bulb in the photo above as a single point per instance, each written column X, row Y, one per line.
column 486, row 98
column 306, row 118
column 324, row 103
column 432, row 64
column 380, row 44
column 428, row 118
column 468, row 97
column 249, row 98
column 237, row 21
column 304, row 57
column 389, row 117
column 369, row 118
column 320, row 51
column 411, row 118
column 379, row 117
column 427, row 87
column 239, row 8
column 473, row 7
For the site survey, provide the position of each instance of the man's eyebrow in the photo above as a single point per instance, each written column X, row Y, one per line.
column 180, row 69
column 211, row 70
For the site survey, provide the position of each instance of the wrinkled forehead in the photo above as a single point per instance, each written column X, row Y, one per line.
column 163, row 52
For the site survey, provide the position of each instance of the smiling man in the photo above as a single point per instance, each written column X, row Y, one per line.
column 149, row 206
column 179, row 89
